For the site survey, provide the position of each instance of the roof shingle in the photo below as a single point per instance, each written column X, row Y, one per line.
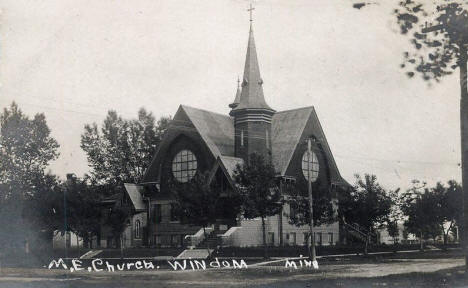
column 217, row 130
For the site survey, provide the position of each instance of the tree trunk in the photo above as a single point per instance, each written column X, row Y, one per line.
column 445, row 241
column 464, row 145
column 265, row 253
column 121, row 247
column 367, row 244
column 446, row 235
column 421, row 246
column 78, row 244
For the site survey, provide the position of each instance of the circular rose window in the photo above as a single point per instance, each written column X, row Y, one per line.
column 184, row 166
column 310, row 164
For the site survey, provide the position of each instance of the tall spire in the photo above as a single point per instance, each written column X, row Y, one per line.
column 252, row 91
column 238, row 94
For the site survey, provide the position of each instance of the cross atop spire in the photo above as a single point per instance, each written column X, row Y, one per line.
column 250, row 11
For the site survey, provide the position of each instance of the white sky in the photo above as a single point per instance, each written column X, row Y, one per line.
column 74, row 60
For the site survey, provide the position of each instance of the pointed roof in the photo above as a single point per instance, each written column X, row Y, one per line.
column 135, row 193
column 238, row 94
column 228, row 165
column 288, row 129
column 252, row 91
column 216, row 130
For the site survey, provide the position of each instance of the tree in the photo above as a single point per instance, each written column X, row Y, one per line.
column 298, row 200
column 394, row 217
column 368, row 205
column 83, row 212
column 26, row 149
column 453, row 209
column 441, row 28
column 259, row 191
column 44, row 208
column 122, row 149
column 392, row 229
column 439, row 39
column 450, row 204
column 421, row 208
column 117, row 221
column 197, row 202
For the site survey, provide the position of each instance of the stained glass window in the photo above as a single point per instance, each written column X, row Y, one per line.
column 312, row 164
column 184, row 166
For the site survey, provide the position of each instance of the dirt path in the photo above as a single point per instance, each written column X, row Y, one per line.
column 252, row 276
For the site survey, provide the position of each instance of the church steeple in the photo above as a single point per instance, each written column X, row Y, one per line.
column 252, row 115
column 252, row 91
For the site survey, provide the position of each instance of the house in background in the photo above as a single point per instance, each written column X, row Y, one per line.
column 68, row 240
column 132, row 200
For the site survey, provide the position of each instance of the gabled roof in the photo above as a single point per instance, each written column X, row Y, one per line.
column 230, row 163
column 286, row 130
column 227, row 165
column 216, row 130
column 135, row 193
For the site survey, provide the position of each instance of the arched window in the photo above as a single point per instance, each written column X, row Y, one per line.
column 184, row 166
column 137, row 229
column 312, row 164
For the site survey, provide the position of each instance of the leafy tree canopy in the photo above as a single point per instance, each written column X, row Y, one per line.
column 198, row 202
column 257, row 184
column 421, row 207
column 122, row 149
column 298, row 200
column 26, row 149
column 368, row 204
column 436, row 50
column 26, row 192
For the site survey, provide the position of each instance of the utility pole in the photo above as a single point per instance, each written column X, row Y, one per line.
column 462, row 43
column 65, row 220
column 464, row 147
column 312, row 255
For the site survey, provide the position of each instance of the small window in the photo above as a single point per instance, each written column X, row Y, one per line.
column 137, row 229
column 242, row 137
column 318, row 238
column 293, row 238
column 292, row 212
column 157, row 215
column 306, row 238
column 267, row 137
column 330, row 238
column 271, row 238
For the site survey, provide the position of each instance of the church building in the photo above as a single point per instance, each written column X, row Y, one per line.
column 199, row 140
